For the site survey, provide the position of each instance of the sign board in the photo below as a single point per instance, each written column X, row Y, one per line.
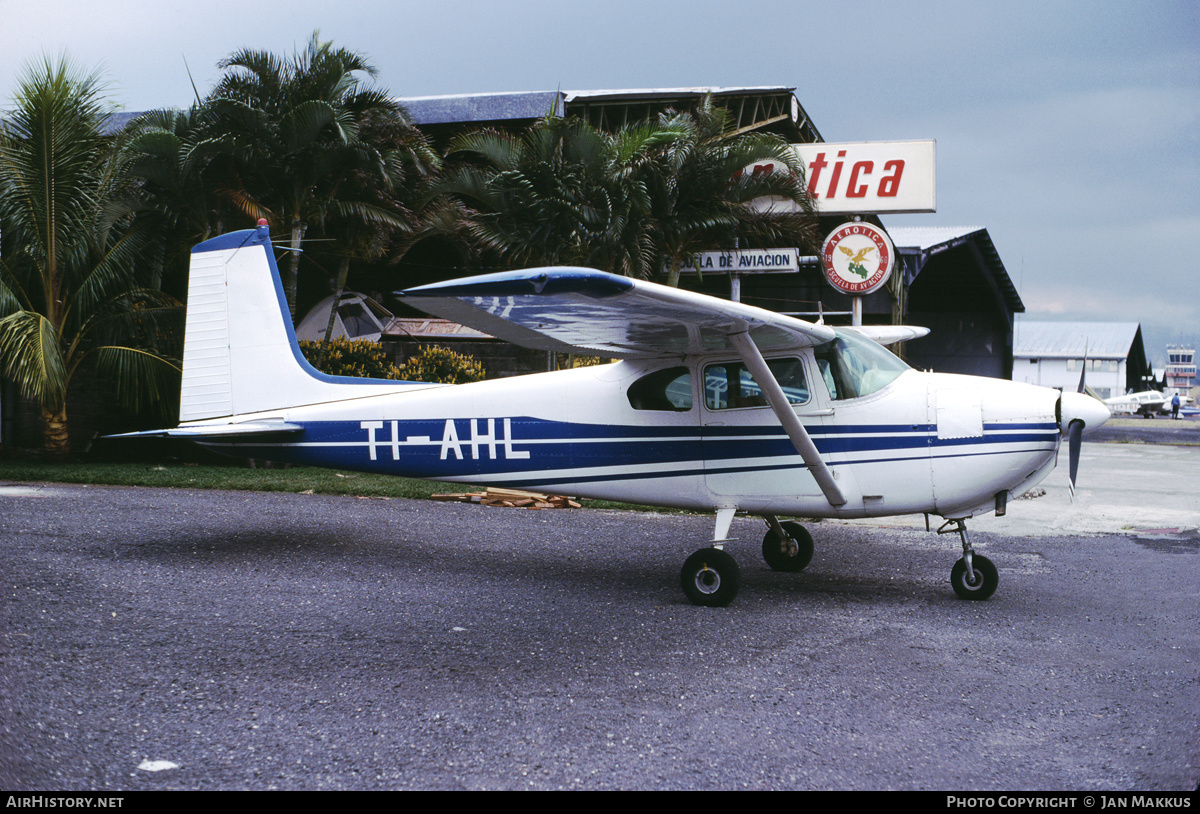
column 866, row 177
column 745, row 261
column 857, row 258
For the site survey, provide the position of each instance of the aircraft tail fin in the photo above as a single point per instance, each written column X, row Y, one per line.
column 240, row 354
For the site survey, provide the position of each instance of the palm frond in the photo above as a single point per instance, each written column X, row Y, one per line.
column 12, row 296
column 138, row 318
column 109, row 275
column 30, row 350
column 139, row 378
column 304, row 123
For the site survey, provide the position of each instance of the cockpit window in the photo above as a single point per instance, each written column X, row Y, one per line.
column 854, row 366
column 669, row 389
column 730, row 384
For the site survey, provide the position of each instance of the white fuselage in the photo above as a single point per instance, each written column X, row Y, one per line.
column 926, row 442
column 716, row 405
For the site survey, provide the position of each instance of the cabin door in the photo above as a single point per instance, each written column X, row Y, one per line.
column 746, row 451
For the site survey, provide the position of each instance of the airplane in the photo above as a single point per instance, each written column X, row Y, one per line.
column 1145, row 403
column 711, row 405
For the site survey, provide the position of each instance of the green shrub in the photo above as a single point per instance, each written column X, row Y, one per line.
column 437, row 364
column 567, row 361
column 351, row 357
column 366, row 359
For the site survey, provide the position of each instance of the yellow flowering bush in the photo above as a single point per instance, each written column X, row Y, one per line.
column 366, row 359
column 438, row 364
column 351, row 357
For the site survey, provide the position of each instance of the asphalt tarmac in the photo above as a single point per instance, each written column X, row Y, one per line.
column 266, row 641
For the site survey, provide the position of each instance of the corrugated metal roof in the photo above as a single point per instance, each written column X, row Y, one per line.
column 465, row 108
column 671, row 93
column 929, row 237
column 1074, row 340
column 117, row 122
column 483, row 107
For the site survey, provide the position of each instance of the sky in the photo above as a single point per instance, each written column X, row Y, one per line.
column 1070, row 130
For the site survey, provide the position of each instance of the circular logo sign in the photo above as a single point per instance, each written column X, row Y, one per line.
column 857, row 258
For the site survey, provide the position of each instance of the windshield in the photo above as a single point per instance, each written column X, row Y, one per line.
column 854, row 366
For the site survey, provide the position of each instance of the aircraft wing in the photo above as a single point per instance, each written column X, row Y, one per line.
column 580, row 310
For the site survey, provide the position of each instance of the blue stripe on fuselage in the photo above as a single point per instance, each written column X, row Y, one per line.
column 515, row 449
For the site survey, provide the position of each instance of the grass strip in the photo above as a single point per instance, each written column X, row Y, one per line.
column 293, row 479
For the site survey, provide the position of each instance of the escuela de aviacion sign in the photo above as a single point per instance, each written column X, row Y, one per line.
column 866, row 177
column 857, row 258
column 745, row 261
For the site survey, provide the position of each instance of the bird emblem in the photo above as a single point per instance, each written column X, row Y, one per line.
column 857, row 259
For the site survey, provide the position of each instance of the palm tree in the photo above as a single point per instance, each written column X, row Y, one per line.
column 379, row 218
column 701, row 196
column 169, row 152
column 550, row 196
column 68, row 291
column 297, row 126
column 633, row 202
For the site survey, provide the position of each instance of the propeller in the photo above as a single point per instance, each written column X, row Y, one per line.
column 1074, row 443
column 1079, row 411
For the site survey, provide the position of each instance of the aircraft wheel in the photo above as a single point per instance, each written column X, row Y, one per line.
column 982, row 584
column 710, row 577
column 792, row 554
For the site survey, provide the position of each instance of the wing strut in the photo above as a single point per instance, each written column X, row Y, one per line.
column 757, row 366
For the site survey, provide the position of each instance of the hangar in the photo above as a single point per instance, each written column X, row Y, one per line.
column 1055, row 354
column 959, row 289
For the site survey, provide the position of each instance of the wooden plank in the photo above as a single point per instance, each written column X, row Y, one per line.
column 510, row 498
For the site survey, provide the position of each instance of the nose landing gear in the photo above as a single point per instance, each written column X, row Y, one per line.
column 974, row 576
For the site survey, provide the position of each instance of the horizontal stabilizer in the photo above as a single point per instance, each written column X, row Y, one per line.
column 890, row 334
column 218, row 432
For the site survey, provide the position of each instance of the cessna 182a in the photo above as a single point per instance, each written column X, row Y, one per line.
column 712, row 405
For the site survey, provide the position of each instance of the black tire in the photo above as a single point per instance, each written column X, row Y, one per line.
column 795, row 555
column 711, row 578
column 982, row 585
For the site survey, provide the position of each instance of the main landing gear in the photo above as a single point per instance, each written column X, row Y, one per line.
column 974, row 576
column 787, row 546
column 711, row 577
